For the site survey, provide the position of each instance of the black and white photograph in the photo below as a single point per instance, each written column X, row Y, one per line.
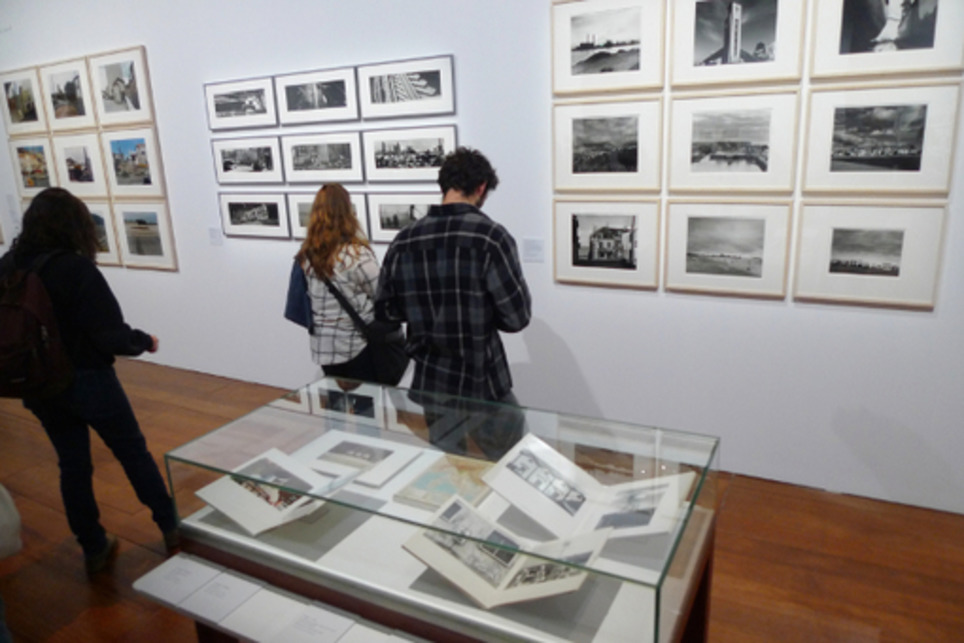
column 884, row 138
column 370, row 461
column 413, row 154
column 727, row 248
column 299, row 212
column 902, row 132
column 355, row 454
column 348, row 403
column 734, row 32
column 607, row 145
column 23, row 111
column 108, row 254
column 33, row 164
column 323, row 158
column 121, row 88
column 866, row 252
column 607, row 243
column 80, row 164
column 632, row 508
column 247, row 160
column 885, row 37
column 389, row 213
column 242, row 103
column 870, row 253
column 66, row 89
column 547, row 481
column 144, row 235
column 133, row 162
column 407, row 88
column 254, row 215
column 317, row 96
column 607, row 45
column 745, row 143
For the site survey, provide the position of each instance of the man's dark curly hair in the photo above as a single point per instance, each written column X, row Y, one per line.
column 57, row 220
column 465, row 170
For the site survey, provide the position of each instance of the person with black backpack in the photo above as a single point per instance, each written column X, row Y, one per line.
column 58, row 241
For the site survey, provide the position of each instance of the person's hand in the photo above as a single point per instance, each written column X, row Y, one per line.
column 154, row 344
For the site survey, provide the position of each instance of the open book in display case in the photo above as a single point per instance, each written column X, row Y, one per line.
column 455, row 519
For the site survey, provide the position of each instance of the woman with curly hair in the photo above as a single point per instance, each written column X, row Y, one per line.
column 336, row 249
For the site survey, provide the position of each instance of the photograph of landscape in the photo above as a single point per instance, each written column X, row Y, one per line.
column 731, row 141
column 605, row 144
column 729, row 246
column 605, row 41
column 866, row 252
column 881, row 138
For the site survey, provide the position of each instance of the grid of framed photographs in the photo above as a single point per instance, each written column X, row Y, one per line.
column 773, row 168
column 87, row 125
column 304, row 142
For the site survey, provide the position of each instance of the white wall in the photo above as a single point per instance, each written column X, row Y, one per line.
column 858, row 400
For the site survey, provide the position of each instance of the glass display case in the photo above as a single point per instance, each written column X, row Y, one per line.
column 455, row 519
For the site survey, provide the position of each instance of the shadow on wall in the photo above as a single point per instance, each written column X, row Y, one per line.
column 551, row 379
column 908, row 470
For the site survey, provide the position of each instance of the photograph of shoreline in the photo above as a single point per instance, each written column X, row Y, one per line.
column 866, row 252
column 725, row 246
column 733, row 141
column 605, row 41
column 143, row 235
column 882, row 138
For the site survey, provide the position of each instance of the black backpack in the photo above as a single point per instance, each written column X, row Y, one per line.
column 33, row 360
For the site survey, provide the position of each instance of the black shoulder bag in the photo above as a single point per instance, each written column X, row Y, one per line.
column 385, row 339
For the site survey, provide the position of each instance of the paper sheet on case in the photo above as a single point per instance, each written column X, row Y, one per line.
column 219, row 597
column 177, row 578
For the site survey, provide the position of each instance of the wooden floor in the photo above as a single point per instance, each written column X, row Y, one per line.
column 792, row 563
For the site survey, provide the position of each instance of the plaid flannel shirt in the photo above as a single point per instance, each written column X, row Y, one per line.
column 454, row 277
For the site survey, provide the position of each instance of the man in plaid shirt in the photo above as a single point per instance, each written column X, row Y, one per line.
column 454, row 277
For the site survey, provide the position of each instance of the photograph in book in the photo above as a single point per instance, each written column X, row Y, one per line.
column 489, row 563
column 370, row 461
column 451, row 475
column 735, row 33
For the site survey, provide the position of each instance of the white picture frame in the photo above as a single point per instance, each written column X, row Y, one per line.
column 80, row 164
column 417, row 87
column 607, row 243
column 67, row 96
column 144, row 234
column 249, row 160
column 323, row 158
column 633, row 128
column 839, row 49
column 133, row 163
column 121, row 87
column 250, row 214
column 902, row 238
column 701, row 33
column 849, row 128
column 108, row 252
column 727, row 248
column 299, row 211
column 581, row 65
column 407, row 154
column 390, row 212
column 317, row 96
column 729, row 143
column 241, row 103
column 34, row 166
column 23, row 107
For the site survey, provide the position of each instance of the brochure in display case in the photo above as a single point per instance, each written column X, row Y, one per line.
column 450, row 475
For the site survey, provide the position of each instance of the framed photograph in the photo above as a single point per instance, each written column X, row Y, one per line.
column 23, row 110
column 407, row 88
column 108, row 253
column 607, row 243
column 608, row 146
column 733, row 143
column 864, row 38
column 34, row 165
column 885, row 139
column 727, row 248
column 144, row 233
column 323, row 158
column 607, row 45
column 240, row 103
column 80, row 165
column 299, row 212
column 389, row 213
column 66, row 92
column 247, row 160
column 254, row 215
column 882, row 254
column 737, row 42
column 121, row 87
column 133, row 162
column 413, row 154
column 317, row 96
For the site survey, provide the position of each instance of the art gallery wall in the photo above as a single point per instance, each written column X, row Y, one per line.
column 857, row 400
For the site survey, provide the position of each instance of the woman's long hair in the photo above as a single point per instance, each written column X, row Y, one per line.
column 56, row 220
column 331, row 227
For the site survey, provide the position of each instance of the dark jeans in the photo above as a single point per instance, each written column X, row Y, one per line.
column 494, row 427
column 96, row 399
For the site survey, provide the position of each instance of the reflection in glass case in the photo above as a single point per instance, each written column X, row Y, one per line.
column 458, row 519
